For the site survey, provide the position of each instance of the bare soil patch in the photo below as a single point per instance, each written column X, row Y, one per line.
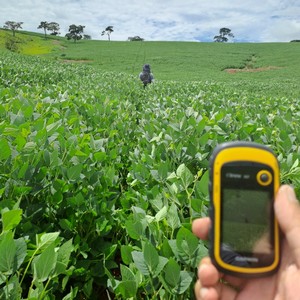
column 58, row 43
column 269, row 68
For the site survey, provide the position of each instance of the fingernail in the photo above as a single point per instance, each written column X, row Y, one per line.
column 203, row 292
column 292, row 268
column 203, row 267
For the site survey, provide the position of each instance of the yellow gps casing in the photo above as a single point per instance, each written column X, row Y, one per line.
column 244, row 236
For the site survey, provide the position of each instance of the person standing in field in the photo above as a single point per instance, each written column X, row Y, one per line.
column 146, row 76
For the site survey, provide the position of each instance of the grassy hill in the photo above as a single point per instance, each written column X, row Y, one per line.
column 241, row 65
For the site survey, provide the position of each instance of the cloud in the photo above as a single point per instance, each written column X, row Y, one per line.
column 175, row 20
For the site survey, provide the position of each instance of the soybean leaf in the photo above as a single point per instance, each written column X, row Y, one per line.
column 44, row 264
column 162, row 261
column 161, row 174
column 134, row 229
column 23, row 170
column 127, row 289
column 187, row 244
column 45, row 239
column 202, row 186
column 12, row 289
column 172, row 217
column 55, row 160
column 21, row 249
column 200, row 253
column 52, row 127
column 63, row 257
column 161, row 214
column 88, row 287
column 11, row 218
column 166, row 249
column 174, row 248
column 2, row 280
column 126, row 254
column 5, row 149
column 127, row 274
column 186, row 278
column 138, row 258
column 7, row 254
column 151, row 257
column 71, row 295
column 172, row 273
column 74, row 172
column 185, row 175
column 198, row 207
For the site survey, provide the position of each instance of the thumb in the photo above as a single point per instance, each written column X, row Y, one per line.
column 287, row 210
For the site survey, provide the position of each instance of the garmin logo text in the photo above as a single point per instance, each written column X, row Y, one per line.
column 237, row 176
column 233, row 175
column 247, row 259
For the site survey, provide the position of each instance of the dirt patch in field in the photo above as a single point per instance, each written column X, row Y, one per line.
column 58, row 43
column 269, row 68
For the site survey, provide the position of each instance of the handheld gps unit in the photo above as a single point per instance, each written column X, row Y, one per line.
column 244, row 237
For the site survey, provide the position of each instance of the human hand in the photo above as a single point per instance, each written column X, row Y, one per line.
column 283, row 285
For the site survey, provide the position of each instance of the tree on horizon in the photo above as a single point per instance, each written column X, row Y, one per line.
column 108, row 30
column 44, row 25
column 224, row 33
column 75, row 32
column 52, row 26
column 13, row 26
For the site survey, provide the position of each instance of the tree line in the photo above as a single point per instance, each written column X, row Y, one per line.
column 76, row 31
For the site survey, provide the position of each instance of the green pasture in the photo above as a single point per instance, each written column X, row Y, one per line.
column 183, row 61
column 259, row 67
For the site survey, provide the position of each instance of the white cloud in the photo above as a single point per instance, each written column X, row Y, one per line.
column 249, row 20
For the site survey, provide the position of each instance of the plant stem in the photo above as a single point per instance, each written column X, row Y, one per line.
column 45, row 288
column 27, row 267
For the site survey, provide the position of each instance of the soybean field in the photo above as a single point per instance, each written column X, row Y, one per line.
column 100, row 178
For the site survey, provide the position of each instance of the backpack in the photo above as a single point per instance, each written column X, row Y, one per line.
column 146, row 77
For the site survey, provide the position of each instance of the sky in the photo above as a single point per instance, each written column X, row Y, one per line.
column 163, row 20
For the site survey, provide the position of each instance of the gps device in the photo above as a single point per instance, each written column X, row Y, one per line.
column 244, row 236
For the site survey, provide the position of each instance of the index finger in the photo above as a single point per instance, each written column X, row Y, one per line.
column 200, row 227
column 287, row 210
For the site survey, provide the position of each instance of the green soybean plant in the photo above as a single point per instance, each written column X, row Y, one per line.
column 31, row 270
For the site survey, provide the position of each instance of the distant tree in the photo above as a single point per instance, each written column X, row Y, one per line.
column 87, row 37
column 13, row 26
column 108, row 30
column 75, row 32
column 54, row 28
column 295, row 41
column 135, row 38
column 44, row 25
column 224, row 34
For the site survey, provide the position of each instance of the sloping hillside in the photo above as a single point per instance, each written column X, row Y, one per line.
column 242, row 65
column 26, row 43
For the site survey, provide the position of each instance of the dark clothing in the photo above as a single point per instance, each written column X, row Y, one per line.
column 146, row 76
